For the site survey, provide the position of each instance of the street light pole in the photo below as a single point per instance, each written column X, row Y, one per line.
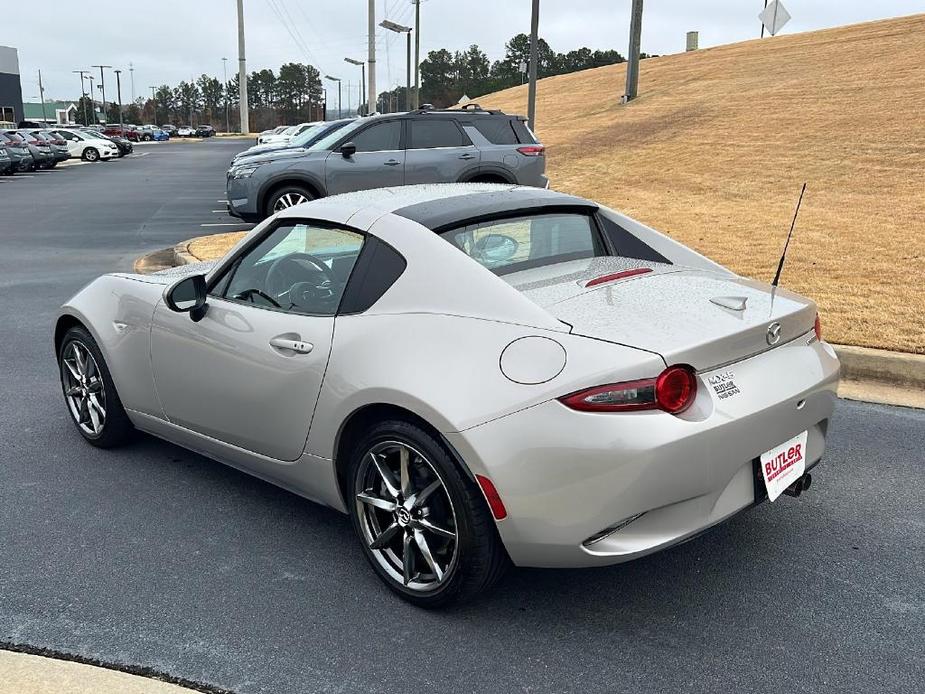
column 632, row 64
column 399, row 29
column 103, row 86
column 373, row 94
column 119, row 96
column 417, row 53
column 131, row 72
column 83, row 93
column 336, row 79
column 92, row 102
column 242, row 73
column 154, row 103
column 42, row 97
column 534, row 59
column 225, row 94
column 362, row 78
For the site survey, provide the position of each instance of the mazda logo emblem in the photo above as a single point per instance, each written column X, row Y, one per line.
column 773, row 335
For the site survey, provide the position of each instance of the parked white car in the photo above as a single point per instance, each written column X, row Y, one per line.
column 286, row 135
column 272, row 131
column 88, row 146
column 186, row 131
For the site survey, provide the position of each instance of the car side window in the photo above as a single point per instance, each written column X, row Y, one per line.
column 382, row 137
column 428, row 134
column 301, row 267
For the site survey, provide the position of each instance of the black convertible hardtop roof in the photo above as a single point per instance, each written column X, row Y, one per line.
column 480, row 203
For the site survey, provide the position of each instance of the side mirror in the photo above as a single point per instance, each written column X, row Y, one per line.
column 187, row 295
column 496, row 248
column 348, row 149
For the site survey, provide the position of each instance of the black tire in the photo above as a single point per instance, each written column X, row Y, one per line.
column 279, row 194
column 91, row 154
column 480, row 558
column 146, row 138
column 116, row 426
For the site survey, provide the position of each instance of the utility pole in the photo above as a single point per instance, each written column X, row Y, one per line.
column 399, row 29
column 373, row 94
column 131, row 70
column 42, row 97
column 83, row 93
column 632, row 65
column 534, row 60
column 242, row 73
column 103, row 86
column 417, row 53
column 336, row 79
column 119, row 97
column 225, row 94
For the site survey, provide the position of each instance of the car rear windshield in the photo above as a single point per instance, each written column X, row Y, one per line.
column 504, row 131
column 520, row 243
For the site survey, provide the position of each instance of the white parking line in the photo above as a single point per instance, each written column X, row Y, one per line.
column 223, row 224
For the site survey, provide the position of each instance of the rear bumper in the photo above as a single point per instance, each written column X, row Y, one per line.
column 565, row 476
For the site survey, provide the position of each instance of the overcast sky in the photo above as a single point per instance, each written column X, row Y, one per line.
column 171, row 40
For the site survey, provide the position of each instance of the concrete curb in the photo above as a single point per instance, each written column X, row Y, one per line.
column 869, row 375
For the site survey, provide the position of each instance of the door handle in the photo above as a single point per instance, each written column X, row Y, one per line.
column 392, row 162
column 297, row 346
column 467, row 156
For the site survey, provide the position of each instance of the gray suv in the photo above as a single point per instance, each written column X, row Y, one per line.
column 425, row 146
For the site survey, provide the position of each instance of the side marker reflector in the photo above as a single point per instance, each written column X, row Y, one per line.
column 493, row 498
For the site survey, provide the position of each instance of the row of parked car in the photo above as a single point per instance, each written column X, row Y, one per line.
column 29, row 149
column 311, row 160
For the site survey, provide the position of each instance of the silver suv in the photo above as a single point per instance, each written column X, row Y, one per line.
column 425, row 146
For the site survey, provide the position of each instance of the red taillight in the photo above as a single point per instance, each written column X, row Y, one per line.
column 618, row 276
column 676, row 388
column 492, row 496
column 673, row 391
column 817, row 327
column 532, row 150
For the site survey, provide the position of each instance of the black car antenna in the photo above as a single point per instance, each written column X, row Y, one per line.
column 783, row 256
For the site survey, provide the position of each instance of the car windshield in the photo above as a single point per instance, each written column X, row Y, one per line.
column 327, row 142
column 520, row 243
column 306, row 135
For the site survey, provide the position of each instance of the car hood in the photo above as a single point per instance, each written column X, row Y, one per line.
column 281, row 155
column 265, row 149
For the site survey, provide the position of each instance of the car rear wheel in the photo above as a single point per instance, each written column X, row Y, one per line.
column 146, row 138
column 91, row 154
column 89, row 391
column 287, row 197
column 424, row 526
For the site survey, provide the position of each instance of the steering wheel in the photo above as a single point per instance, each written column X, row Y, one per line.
column 249, row 294
column 288, row 272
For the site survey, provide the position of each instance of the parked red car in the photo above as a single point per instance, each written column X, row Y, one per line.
column 128, row 132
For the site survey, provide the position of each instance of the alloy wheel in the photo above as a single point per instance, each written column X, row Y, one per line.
column 288, row 200
column 82, row 381
column 406, row 516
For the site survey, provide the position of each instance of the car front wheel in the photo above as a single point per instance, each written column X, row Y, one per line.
column 91, row 154
column 89, row 391
column 287, row 197
column 424, row 526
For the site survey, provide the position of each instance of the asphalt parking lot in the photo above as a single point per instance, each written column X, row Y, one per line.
column 151, row 555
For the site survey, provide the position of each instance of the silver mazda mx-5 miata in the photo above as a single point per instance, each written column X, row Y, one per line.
column 477, row 374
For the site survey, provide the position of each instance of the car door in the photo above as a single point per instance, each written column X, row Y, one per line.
column 379, row 160
column 74, row 143
column 438, row 151
column 249, row 372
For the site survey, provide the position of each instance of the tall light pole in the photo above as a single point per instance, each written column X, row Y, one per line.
column 225, row 94
column 92, row 102
column 373, row 94
column 103, row 85
column 83, row 93
column 399, row 29
column 242, row 73
column 534, row 59
column 154, row 102
column 363, row 78
column 336, row 79
column 632, row 64
column 131, row 72
column 119, row 97
column 417, row 53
